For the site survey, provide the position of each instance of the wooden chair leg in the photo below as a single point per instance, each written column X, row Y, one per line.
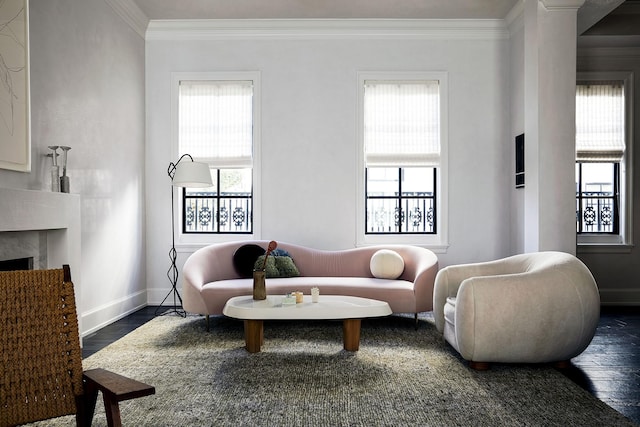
column 479, row 366
column 86, row 407
column 112, row 410
column 562, row 364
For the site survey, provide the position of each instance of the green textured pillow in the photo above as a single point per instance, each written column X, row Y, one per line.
column 286, row 266
column 278, row 266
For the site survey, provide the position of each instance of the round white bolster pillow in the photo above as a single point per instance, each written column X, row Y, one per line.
column 386, row 264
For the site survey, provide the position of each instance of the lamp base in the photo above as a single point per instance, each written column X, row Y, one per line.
column 170, row 311
column 175, row 309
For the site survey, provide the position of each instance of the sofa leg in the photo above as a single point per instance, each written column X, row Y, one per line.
column 207, row 319
column 416, row 320
column 479, row 366
column 562, row 364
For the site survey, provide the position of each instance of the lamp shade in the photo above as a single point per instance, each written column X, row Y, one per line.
column 192, row 175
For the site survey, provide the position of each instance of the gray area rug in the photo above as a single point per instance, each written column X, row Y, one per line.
column 303, row 377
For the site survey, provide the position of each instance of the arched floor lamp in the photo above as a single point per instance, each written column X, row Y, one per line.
column 187, row 174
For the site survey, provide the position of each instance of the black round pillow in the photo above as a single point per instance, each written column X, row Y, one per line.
column 244, row 258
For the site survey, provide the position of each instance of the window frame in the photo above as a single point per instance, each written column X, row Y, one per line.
column 399, row 197
column 438, row 241
column 197, row 239
column 615, row 199
column 623, row 239
column 217, row 197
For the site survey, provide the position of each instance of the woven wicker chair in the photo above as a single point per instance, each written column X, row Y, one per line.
column 41, row 374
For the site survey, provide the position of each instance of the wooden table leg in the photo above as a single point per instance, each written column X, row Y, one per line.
column 253, row 335
column 351, row 334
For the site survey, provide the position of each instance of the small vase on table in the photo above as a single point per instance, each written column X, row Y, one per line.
column 259, row 275
column 259, row 288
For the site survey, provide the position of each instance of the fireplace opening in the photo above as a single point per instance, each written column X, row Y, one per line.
column 17, row 264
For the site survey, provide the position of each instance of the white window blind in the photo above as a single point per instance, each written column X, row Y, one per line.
column 401, row 123
column 600, row 121
column 216, row 122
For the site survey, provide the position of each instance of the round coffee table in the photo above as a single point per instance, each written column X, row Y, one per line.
column 351, row 310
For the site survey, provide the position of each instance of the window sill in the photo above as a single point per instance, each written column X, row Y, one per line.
column 596, row 248
column 187, row 243
column 430, row 242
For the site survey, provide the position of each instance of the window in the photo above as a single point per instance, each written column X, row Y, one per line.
column 601, row 159
column 215, row 126
column 400, row 200
column 402, row 157
column 597, row 197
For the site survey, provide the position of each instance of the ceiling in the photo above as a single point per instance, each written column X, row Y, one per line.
column 622, row 21
column 325, row 9
column 621, row 18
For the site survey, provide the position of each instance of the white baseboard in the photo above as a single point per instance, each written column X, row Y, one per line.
column 620, row 297
column 99, row 317
column 156, row 295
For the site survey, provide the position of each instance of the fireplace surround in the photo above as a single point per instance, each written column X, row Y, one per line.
column 24, row 244
column 43, row 225
column 16, row 264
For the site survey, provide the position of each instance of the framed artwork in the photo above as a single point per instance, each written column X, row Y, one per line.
column 520, row 161
column 15, row 138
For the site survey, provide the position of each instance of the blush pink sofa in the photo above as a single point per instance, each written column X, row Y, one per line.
column 209, row 278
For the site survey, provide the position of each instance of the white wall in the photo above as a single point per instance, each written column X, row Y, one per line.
column 309, row 131
column 516, row 69
column 87, row 92
column 617, row 270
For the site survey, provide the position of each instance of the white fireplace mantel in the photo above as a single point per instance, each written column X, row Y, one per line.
column 58, row 214
column 26, row 210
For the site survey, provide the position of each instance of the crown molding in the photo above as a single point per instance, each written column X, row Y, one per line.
column 131, row 14
column 224, row 29
column 562, row 4
column 515, row 18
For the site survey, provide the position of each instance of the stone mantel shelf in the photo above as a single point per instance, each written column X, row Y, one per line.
column 57, row 214
column 27, row 210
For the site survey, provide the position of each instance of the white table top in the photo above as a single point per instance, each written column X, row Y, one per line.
column 328, row 307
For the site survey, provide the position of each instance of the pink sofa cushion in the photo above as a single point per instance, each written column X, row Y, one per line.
column 399, row 291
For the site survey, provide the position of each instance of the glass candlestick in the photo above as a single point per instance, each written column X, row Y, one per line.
column 64, row 179
column 64, row 184
column 55, row 169
column 54, row 148
column 55, row 178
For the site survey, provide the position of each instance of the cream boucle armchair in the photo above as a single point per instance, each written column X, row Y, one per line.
column 530, row 308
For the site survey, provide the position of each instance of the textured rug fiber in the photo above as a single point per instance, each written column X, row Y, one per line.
column 303, row 377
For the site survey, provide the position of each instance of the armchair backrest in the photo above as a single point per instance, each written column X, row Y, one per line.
column 40, row 354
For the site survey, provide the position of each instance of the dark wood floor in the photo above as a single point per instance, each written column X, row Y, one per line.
column 609, row 368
